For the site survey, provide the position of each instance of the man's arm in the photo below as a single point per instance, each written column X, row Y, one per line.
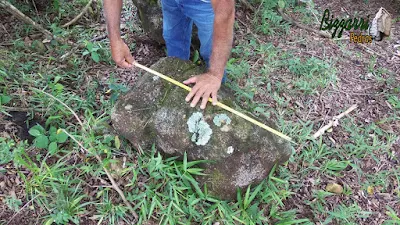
column 119, row 50
column 209, row 83
column 223, row 35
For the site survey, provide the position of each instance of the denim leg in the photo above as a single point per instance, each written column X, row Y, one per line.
column 202, row 14
column 177, row 29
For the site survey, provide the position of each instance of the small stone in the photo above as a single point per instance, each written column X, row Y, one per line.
column 128, row 107
column 230, row 150
column 334, row 188
column 38, row 46
column 2, row 185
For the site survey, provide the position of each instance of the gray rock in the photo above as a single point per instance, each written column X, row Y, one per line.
column 150, row 16
column 155, row 111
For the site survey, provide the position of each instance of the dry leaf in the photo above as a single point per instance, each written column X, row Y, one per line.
column 370, row 190
column 334, row 188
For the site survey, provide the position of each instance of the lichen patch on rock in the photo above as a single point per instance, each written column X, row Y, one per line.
column 200, row 129
column 220, row 119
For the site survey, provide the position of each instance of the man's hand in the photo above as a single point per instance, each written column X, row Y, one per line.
column 121, row 54
column 207, row 85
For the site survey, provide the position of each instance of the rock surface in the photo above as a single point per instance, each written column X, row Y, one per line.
column 155, row 111
column 150, row 16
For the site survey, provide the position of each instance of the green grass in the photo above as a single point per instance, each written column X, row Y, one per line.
column 65, row 183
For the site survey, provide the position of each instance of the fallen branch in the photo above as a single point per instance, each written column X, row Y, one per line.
column 292, row 21
column 104, row 36
column 21, row 109
column 14, row 11
column 79, row 15
column 334, row 121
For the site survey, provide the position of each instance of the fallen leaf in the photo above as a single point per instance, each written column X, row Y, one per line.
column 117, row 142
column 334, row 188
column 370, row 190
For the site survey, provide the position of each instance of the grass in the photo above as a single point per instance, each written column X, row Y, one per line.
column 63, row 184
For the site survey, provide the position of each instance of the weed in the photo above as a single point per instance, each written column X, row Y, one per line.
column 13, row 203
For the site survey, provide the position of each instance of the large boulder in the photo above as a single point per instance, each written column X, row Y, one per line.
column 155, row 111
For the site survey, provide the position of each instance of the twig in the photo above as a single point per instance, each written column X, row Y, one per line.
column 65, row 105
column 23, row 207
column 101, row 37
column 372, row 52
column 356, row 93
column 248, row 5
column 34, row 5
column 113, row 183
column 290, row 20
column 5, row 29
column 251, row 32
column 21, row 109
column 79, row 15
column 334, row 121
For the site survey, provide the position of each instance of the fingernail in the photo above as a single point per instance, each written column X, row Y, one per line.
column 186, row 99
column 192, row 105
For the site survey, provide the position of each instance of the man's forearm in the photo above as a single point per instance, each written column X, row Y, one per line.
column 112, row 9
column 222, row 36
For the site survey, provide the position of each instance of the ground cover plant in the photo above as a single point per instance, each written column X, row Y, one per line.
column 59, row 156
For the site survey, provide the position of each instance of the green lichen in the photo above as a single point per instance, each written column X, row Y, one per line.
column 219, row 119
column 200, row 129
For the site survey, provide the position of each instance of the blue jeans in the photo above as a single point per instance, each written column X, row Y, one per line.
column 178, row 18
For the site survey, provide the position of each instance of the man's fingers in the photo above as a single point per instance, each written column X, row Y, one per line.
column 124, row 64
column 129, row 58
column 191, row 80
column 196, row 98
column 214, row 98
column 204, row 100
column 192, row 93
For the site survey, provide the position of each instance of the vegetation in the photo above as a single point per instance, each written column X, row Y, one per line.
column 68, row 92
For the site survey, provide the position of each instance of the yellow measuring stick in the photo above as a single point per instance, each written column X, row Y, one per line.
column 227, row 108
